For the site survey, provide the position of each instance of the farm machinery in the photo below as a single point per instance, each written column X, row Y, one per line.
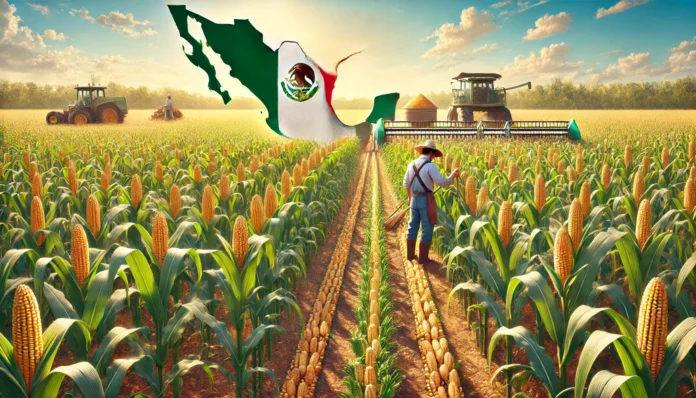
column 476, row 92
column 91, row 106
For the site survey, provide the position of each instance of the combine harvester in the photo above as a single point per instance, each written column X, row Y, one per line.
column 476, row 93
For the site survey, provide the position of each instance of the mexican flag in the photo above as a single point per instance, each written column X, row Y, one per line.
column 296, row 92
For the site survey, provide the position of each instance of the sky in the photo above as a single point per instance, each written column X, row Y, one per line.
column 408, row 46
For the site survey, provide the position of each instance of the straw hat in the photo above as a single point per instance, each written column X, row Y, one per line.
column 431, row 145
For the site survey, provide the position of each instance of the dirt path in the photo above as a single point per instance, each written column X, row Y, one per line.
column 473, row 367
column 339, row 350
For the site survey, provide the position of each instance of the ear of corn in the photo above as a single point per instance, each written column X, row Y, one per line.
column 159, row 174
column 72, row 178
column 563, row 255
column 93, row 215
column 174, row 201
column 627, row 156
column 652, row 325
column 160, row 237
column 690, row 196
column 305, row 168
column 197, row 176
column 136, row 190
column 37, row 218
column 79, row 253
column 539, row 192
column 240, row 240
column 224, row 187
column 208, row 204
column 645, row 166
column 27, row 337
column 505, row 223
column 285, row 184
column 270, row 201
column 256, row 210
column 585, row 198
column 470, row 192
column 297, row 175
column 561, row 166
column 606, row 176
column 254, row 164
column 575, row 223
column 644, row 223
column 240, row 172
column 37, row 186
column 579, row 163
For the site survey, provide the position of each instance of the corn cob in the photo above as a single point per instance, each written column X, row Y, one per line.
column 646, row 164
column 211, row 156
column 93, row 215
column 539, row 192
column 256, row 210
column 36, row 186
column 208, row 204
column 33, row 170
column 240, row 240
column 197, row 176
column 305, row 168
column 652, row 325
column 692, row 173
column 690, row 196
column 159, row 174
column 505, row 223
column 297, row 176
column 37, row 218
column 575, row 223
column 254, row 164
column 79, row 253
column 224, row 187
column 692, row 149
column 491, row 161
column 160, row 237
column 270, row 201
column 585, row 198
column 240, row 172
column 26, row 333
column 285, row 184
column 212, row 166
column 644, row 223
column 174, row 201
column 638, row 185
column 561, row 166
column 136, row 190
column 606, row 176
column 579, row 163
column 482, row 198
column 72, row 178
column 627, row 156
column 470, row 192
column 513, row 173
column 563, row 255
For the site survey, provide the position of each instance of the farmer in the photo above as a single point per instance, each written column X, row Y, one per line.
column 168, row 108
column 421, row 176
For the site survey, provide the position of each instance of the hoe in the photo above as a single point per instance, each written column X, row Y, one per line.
column 476, row 93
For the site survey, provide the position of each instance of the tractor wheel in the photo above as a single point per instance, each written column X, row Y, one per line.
column 452, row 115
column 54, row 118
column 109, row 114
column 80, row 117
column 499, row 113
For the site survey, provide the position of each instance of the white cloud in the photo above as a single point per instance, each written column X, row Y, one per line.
column 621, row 6
column 15, row 39
column 125, row 24
column 548, row 25
column 451, row 38
column 501, row 4
column 526, row 5
column 683, row 57
column 38, row 7
column 53, row 35
column 634, row 64
column 550, row 62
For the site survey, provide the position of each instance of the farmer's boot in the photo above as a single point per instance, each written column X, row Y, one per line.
column 410, row 249
column 423, row 250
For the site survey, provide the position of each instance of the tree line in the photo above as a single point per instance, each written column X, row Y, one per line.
column 676, row 94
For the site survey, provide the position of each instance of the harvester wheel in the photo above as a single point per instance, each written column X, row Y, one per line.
column 54, row 118
column 500, row 113
column 109, row 114
column 452, row 114
column 80, row 117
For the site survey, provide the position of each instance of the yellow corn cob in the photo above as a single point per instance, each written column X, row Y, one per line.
column 256, row 210
column 606, row 176
column 297, row 176
column 240, row 240
column 563, row 255
column 285, row 184
column 690, row 196
column 254, row 164
column 505, row 223
column 159, row 174
column 482, row 197
column 665, row 157
column 579, row 163
column 37, row 218
column 457, row 163
column 211, row 156
column 585, row 199
column 160, row 237
column 470, row 192
column 27, row 158
column 79, row 253
column 85, row 157
column 197, row 176
column 93, row 215
column 212, row 166
column 174, row 201
column 540, row 152
column 27, row 337
column 627, row 155
column 136, row 189
column 33, row 170
column 491, row 161
column 270, row 201
column 652, row 325
column 692, row 149
column 72, row 178
column 208, row 204
column 305, row 168
column 513, row 173
column 572, row 175
column 37, row 186
column 240, row 172
column 638, row 185
column 644, row 223
column 561, row 166
column 575, row 221
column 646, row 164
column 224, row 187
column 107, row 158
column 692, row 173
column 539, row 192
column 447, row 162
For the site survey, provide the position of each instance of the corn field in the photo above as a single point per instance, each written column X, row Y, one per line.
column 173, row 260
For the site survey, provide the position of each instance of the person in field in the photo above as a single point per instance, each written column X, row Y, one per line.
column 169, row 108
column 420, row 179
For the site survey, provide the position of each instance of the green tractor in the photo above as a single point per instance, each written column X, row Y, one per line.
column 91, row 106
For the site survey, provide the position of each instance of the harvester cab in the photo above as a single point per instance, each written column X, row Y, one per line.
column 476, row 92
column 91, row 105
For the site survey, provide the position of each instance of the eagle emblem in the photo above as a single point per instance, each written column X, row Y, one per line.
column 300, row 84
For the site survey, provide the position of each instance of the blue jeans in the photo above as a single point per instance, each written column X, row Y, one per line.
column 168, row 114
column 419, row 215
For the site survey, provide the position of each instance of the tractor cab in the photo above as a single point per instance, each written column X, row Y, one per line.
column 86, row 95
column 476, row 92
column 91, row 106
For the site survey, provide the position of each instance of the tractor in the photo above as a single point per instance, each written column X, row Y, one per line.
column 91, row 106
column 477, row 93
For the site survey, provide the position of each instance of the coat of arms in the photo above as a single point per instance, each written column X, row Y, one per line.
column 300, row 83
